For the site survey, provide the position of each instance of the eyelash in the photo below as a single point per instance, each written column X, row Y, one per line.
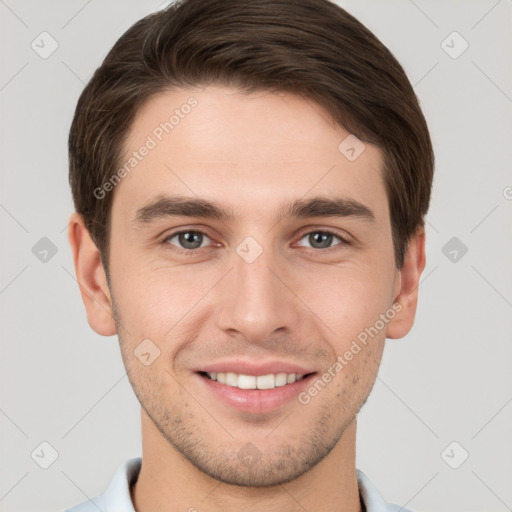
column 190, row 252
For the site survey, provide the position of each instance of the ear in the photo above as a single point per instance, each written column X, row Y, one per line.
column 406, row 289
column 91, row 278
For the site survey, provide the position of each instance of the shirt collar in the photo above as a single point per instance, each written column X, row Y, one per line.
column 117, row 496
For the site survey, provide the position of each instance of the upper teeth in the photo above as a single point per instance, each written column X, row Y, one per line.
column 241, row 381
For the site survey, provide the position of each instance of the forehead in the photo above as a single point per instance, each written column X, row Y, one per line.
column 218, row 142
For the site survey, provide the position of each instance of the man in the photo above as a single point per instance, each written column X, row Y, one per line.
column 250, row 182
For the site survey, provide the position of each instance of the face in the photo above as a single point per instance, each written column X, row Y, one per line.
column 252, row 278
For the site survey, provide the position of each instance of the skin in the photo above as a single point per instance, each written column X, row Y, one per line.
column 297, row 302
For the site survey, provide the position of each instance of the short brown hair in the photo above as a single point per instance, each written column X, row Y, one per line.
column 313, row 48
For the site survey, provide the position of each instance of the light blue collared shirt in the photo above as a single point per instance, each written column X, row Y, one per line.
column 117, row 497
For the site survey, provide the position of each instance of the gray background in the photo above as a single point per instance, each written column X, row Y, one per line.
column 449, row 380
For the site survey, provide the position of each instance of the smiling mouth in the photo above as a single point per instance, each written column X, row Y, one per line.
column 242, row 381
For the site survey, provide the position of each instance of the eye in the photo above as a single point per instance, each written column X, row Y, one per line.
column 187, row 240
column 322, row 239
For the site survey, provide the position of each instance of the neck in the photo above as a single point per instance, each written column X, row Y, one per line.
column 169, row 483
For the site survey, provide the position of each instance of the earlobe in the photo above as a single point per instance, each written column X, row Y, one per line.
column 406, row 299
column 91, row 278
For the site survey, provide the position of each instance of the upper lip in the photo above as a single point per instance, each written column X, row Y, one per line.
column 253, row 368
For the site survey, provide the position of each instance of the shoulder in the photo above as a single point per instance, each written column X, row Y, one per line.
column 371, row 497
column 117, row 495
column 92, row 505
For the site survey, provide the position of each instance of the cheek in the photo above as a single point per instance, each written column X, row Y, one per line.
column 156, row 301
column 347, row 299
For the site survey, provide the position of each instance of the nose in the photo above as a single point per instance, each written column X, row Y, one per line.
column 258, row 299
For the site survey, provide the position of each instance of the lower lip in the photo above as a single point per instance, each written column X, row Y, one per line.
column 256, row 400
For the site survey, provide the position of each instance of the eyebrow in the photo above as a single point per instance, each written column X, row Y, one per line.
column 183, row 206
